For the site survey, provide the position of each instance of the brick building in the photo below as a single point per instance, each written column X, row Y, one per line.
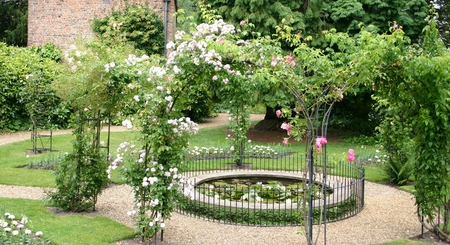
column 62, row 21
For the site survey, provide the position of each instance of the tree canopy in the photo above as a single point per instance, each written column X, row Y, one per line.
column 312, row 17
column 442, row 20
column 13, row 22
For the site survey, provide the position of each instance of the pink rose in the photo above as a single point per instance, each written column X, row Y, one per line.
column 318, row 145
column 278, row 112
column 350, row 158
column 351, row 155
column 320, row 141
column 287, row 127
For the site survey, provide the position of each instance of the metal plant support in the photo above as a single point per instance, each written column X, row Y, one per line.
column 41, row 117
column 95, row 124
column 317, row 126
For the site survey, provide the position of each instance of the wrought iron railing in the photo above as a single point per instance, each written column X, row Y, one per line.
column 340, row 189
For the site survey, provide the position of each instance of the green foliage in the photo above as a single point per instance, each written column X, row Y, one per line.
column 86, row 83
column 311, row 18
column 396, row 139
column 442, row 9
column 197, row 103
column 356, row 113
column 412, row 83
column 268, row 217
column 95, row 94
column 49, row 51
column 137, row 25
column 20, row 70
column 82, row 175
column 49, row 162
column 13, row 22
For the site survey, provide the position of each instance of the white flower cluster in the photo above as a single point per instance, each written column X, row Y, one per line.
column 114, row 165
column 109, row 66
column 133, row 59
column 74, row 60
column 207, row 152
column 127, row 123
column 188, row 188
column 157, row 71
column 208, row 32
column 156, row 219
column 212, row 31
column 182, row 125
column 254, row 150
column 260, row 150
column 10, row 226
column 123, row 147
column 149, row 181
column 379, row 158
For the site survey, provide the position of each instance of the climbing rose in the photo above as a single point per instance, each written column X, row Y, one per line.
column 287, row 127
column 278, row 112
column 290, row 60
column 351, row 155
column 320, row 141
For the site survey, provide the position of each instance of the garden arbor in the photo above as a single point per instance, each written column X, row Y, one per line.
column 236, row 68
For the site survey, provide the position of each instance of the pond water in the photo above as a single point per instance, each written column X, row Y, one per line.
column 260, row 189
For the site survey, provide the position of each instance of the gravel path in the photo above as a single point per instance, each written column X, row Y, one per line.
column 389, row 214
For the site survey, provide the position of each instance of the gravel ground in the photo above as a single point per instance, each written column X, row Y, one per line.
column 389, row 214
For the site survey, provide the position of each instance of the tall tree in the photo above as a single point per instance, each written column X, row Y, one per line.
column 312, row 17
column 443, row 18
column 13, row 22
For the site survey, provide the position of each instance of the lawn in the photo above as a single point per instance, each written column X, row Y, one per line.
column 102, row 230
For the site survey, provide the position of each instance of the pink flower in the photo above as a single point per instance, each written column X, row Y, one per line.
column 351, row 152
column 320, row 141
column 287, row 127
column 351, row 155
column 318, row 145
column 278, row 112
column 285, row 141
column 214, row 78
column 290, row 60
column 274, row 61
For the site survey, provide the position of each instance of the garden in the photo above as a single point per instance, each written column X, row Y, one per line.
column 51, row 224
column 159, row 100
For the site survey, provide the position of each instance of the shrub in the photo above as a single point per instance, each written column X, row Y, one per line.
column 82, row 175
column 24, row 72
column 137, row 25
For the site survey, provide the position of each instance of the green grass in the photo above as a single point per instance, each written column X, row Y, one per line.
column 101, row 230
column 69, row 229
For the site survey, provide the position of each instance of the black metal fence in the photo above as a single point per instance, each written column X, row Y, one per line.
column 222, row 191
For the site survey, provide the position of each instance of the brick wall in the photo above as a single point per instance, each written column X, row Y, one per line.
column 63, row 21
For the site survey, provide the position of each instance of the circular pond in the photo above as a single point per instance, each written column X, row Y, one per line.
column 263, row 189
column 260, row 190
